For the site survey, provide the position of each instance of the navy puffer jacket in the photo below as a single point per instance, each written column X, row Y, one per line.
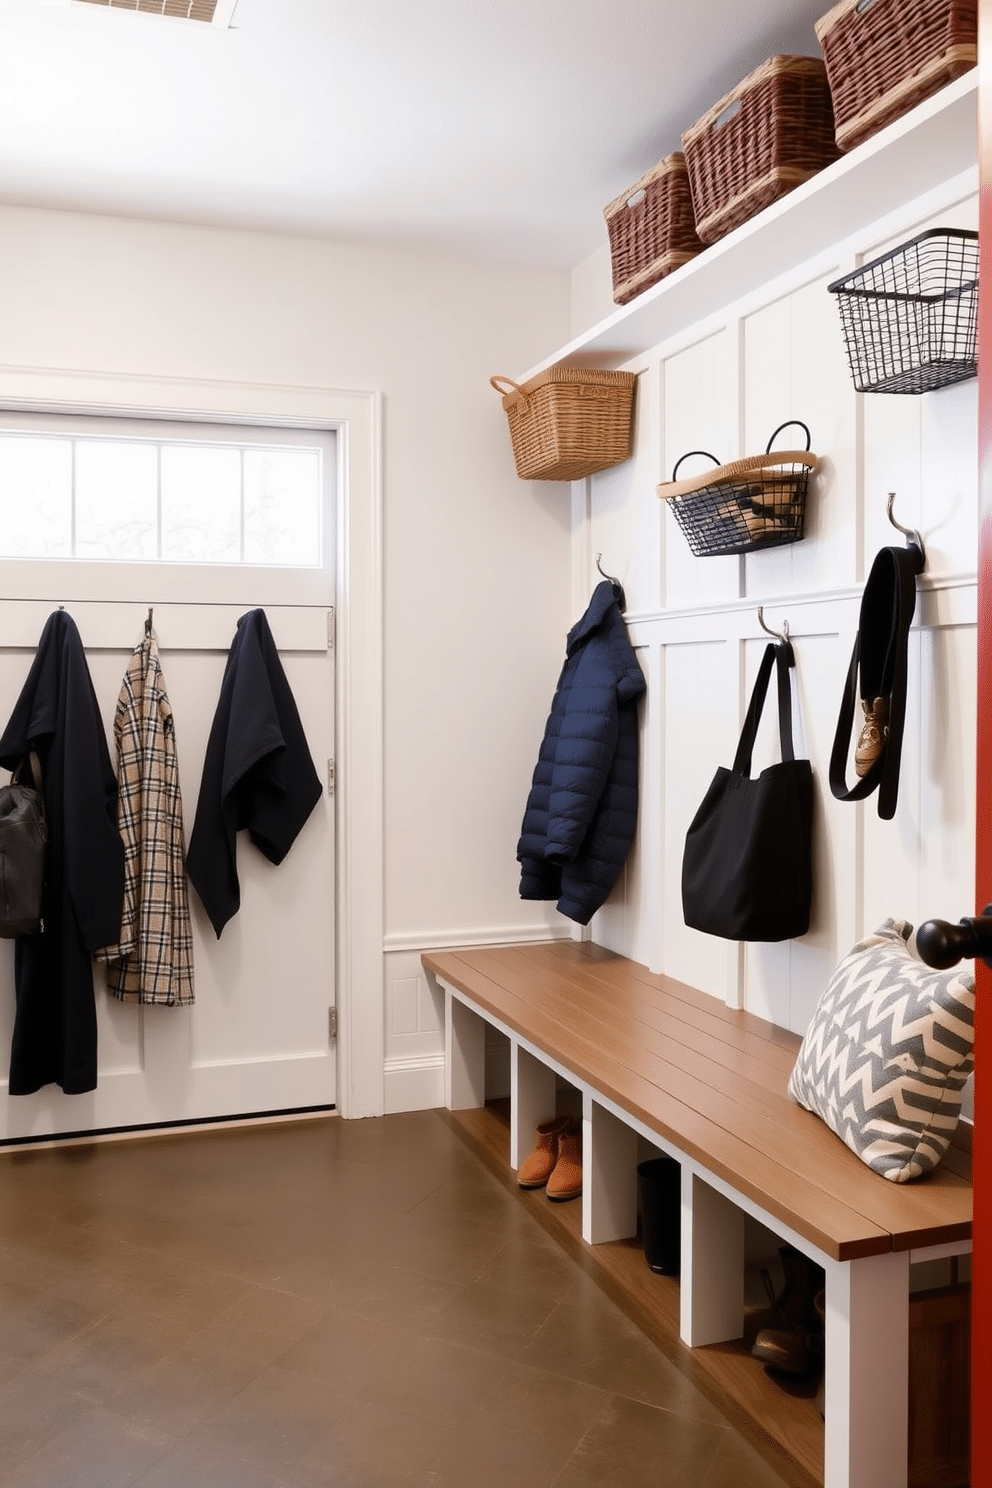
column 582, row 809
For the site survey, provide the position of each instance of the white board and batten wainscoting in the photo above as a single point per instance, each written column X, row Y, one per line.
column 750, row 351
column 725, row 387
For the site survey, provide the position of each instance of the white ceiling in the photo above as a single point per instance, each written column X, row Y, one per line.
column 492, row 127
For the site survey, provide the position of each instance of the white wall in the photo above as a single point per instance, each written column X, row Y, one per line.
column 592, row 290
column 724, row 387
column 476, row 564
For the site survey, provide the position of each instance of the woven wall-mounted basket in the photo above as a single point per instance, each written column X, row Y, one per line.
column 568, row 422
column 757, row 502
column 767, row 136
column 652, row 229
column 885, row 56
column 910, row 317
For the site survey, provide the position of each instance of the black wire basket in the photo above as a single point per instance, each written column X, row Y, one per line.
column 910, row 318
column 757, row 502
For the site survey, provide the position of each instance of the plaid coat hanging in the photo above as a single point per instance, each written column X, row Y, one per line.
column 153, row 962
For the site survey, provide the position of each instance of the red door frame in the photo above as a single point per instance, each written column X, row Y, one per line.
column 981, row 1388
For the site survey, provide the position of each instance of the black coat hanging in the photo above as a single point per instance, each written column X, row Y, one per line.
column 54, row 1038
column 257, row 774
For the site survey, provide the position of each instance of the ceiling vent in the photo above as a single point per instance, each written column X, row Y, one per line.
column 214, row 12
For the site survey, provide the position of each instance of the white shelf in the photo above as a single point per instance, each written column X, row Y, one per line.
column 920, row 152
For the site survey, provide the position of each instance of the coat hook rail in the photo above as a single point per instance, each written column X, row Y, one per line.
column 909, row 532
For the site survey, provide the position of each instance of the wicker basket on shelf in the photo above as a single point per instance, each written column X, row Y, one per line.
column 910, row 317
column 767, row 136
column 652, row 229
column 885, row 56
column 757, row 502
column 568, row 422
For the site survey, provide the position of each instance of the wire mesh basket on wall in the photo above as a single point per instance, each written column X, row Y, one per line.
column 910, row 318
column 757, row 502
column 568, row 422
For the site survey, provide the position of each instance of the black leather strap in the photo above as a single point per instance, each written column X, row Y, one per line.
column 879, row 658
column 785, row 660
column 31, row 758
column 782, row 657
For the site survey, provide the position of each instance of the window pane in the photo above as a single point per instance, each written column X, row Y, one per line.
column 116, row 515
column 35, row 497
column 282, row 507
column 119, row 495
column 201, row 504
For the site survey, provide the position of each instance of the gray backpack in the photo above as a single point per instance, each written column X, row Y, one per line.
column 23, row 847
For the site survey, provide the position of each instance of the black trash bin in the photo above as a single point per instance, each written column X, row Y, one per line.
column 661, row 1213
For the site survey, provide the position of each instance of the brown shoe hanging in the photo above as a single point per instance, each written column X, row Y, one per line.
column 877, row 676
column 874, row 732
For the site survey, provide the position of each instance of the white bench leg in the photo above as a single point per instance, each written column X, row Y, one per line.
column 465, row 1055
column 609, row 1175
column 712, row 1281
column 867, row 1372
column 532, row 1101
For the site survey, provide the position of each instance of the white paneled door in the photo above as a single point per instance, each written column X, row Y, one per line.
column 257, row 1038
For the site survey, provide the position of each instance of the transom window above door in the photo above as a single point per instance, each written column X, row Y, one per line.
column 122, row 491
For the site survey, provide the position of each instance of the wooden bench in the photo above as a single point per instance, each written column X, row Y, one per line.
column 655, row 1061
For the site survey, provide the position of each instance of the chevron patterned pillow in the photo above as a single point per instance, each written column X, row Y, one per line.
column 887, row 1052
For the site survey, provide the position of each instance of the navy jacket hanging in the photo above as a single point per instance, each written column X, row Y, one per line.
column 257, row 772
column 54, row 1039
column 581, row 813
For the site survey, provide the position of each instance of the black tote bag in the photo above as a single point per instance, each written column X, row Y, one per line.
column 747, row 866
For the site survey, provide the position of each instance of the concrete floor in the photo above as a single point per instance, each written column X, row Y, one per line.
column 327, row 1304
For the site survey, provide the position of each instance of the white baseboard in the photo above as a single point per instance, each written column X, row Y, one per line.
column 440, row 940
column 415, row 1084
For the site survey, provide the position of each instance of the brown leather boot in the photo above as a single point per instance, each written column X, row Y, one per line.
column 874, row 732
column 566, row 1180
column 793, row 1306
column 535, row 1171
column 788, row 1334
